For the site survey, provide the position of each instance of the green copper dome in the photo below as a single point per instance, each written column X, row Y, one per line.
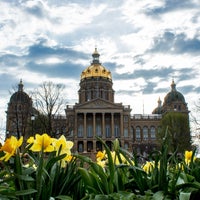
column 173, row 95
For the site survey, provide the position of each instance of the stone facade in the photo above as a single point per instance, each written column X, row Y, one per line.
column 97, row 115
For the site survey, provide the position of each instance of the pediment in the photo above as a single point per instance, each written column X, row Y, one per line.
column 99, row 103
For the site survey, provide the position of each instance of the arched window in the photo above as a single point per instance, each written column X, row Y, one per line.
column 138, row 133
column 88, row 95
column 145, row 133
column 153, row 132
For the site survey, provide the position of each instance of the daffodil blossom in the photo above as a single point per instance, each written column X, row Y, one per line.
column 63, row 144
column 30, row 140
column 188, row 157
column 41, row 143
column 101, row 155
column 148, row 166
column 116, row 159
column 10, row 146
column 102, row 163
column 102, row 158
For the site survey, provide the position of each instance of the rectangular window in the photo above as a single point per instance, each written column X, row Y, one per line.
column 89, row 131
column 125, row 118
column 116, row 131
column 125, row 132
column 108, row 133
column 98, row 130
column 89, row 146
column 138, row 134
column 80, row 130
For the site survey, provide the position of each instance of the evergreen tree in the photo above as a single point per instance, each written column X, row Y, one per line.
column 178, row 131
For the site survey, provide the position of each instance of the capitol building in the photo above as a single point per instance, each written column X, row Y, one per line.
column 96, row 114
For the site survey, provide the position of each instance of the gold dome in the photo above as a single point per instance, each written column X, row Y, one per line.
column 96, row 69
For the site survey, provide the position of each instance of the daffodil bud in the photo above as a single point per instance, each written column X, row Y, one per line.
column 116, row 145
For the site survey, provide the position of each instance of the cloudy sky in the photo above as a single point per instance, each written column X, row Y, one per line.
column 144, row 43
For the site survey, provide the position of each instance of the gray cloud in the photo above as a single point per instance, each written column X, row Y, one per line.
column 186, row 89
column 146, row 74
column 186, row 74
column 115, row 28
column 40, row 50
column 64, row 70
column 36, row 10
column 171, row 5
column 9, row 60
column 175, row 44
column 162, row 73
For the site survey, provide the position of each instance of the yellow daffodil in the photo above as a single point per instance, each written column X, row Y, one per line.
column 68, row 158
column 30, row 140
column 188, row 157
column 102, row 163
column 179, row 166
column 116, row 159
column 42, row 142
column 64, row 144
column 65, row 160
column 101, row 158
column 10, row 146
column 101, row 155
column 148, row 166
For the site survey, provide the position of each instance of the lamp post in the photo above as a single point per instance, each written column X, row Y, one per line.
column 32, row 121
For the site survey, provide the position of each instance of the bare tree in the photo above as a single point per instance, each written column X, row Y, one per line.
column 48, row 101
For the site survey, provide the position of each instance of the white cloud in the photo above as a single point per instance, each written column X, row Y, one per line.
column 51, row 60
column 124, row 33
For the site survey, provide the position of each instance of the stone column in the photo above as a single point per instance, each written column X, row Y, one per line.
column 122, row 129
column 85, row 146
column 112, row 125
column 94, row 132
column 94, row 125
column 75, row 125
column 121, row 126
column 84, row 126
column 103, row 125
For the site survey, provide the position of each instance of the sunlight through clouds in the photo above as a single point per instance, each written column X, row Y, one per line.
column 143, row 43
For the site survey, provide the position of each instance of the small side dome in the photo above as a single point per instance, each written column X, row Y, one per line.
column 158, row 110
column 20, row 95
column 173, row 95
column 96, row 69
